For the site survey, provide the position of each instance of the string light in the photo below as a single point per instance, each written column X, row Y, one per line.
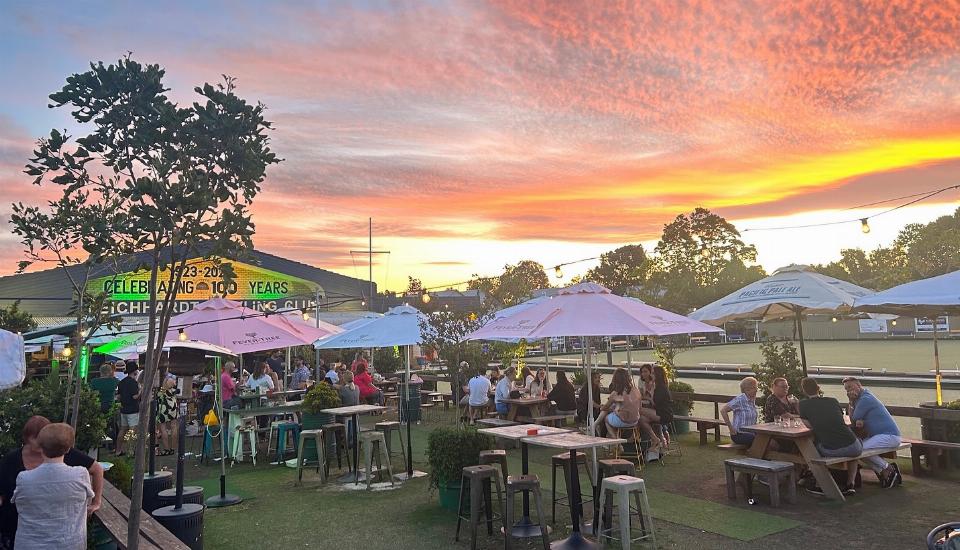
column 558, row 272
column 894, row 322
column 182, row 335
column 67, row 352
column 425, row 297
column 864, row 226
column 306, row 316
column 833, row 319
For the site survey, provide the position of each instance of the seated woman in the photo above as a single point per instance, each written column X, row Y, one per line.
column 260, row 379
column 349, row 392
column 623, row 408
column 647, row 384
column 660, row 409
column 779, row 402
column 744, row 409
column 582, row 398
column 541, row 384
column 564, row 395
column 369, row 393
column 526, row 380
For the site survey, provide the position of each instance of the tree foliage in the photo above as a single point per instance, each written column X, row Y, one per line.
column 174, row 182
column 45, row 397
column 779, row 361
column 623, row 270
column 15, row 319
column 514, row 285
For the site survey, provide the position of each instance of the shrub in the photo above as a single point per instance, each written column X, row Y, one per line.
column 388, row 360
column 46, row 397
column 120, row 474
column 321, row 396
column 681, row 404
column 778, row 362
column 450, row 450
column 665, row 353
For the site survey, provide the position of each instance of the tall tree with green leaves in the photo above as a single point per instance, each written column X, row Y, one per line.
column 623, row 270
column 15, row 319
column 184, row 177
column 515, row 284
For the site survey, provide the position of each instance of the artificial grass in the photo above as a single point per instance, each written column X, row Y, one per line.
column 736, row 523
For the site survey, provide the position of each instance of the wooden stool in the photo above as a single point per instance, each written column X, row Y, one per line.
column 620, row 488
column 371, row 442
column 389, row 428
column 633, row 437
column 562, row 460
column 479, row 480
column 527, row 483
column 609, row 467
column 317, row 436
column 337, row 433
column 775, row 472
column 496, row 456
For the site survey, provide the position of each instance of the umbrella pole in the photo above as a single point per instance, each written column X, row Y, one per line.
column 590, row 419
column 936, row 361
column 223, row 499
column 409, row 446
column 803, row 351
column 546, row 356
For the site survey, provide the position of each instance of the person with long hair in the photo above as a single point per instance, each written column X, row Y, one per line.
column 167, row 414
column 526, row 375
column 564, row 395
column 541, row 383
column 647, row 383
column 623, row 407
column 660, row 409
column 260, row 378
column 368, row 392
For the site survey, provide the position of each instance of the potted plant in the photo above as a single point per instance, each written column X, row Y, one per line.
column 681, row 407
column 449, row 451
column 321, row 396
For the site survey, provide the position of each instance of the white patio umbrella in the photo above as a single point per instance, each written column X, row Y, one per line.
column 589, row 309
column 790, row 292
column 927, row 297
column 400, row 326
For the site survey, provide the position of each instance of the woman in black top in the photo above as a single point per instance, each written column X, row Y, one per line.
column 29, row 457
column 564, row 395
column 661, row 411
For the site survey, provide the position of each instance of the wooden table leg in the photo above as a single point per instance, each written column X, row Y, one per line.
column 820, row 472
column 774, row 480
column 758, row 449
column 512, row 412
column 731, row 483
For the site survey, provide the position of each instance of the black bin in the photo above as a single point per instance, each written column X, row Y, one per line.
column 186, row 523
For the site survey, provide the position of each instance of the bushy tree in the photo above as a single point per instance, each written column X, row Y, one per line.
column 515, row 284
column 45, row 397
column 621, row 270
column 779, row 361
column 15, row 319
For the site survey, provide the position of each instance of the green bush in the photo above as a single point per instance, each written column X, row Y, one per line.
column 321, row 396
column 388, row 360
column 449, row 451
column 779, row 361
column 681, row 404
column 46, row 397
column 120, row 474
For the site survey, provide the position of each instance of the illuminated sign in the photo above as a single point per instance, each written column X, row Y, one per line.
column 254, row 286
column 83, row 364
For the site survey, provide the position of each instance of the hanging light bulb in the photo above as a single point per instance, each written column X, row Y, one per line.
column 864, row 226
column 363, row 303
column 705, row 252
column 425, row 297
column 67, row 351
column 181, row 335
column 894, row 322
column 84, row 333
column 306, row 316
column 558, row 272
column 833, row 319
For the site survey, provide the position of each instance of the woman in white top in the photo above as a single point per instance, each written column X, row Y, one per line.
column 541, row 384
column 527, row 379
column 260, row 378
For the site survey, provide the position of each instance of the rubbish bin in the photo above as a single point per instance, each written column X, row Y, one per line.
column 409, row 402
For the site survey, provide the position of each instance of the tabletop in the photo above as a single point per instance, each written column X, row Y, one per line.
column 786, row 432
column 519, row 431
column 525, row 400
column 353, row 409
column 268, row 409
column 572, row 440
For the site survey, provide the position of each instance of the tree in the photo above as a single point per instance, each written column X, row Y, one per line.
column 697, row 258
column 622, row 270
column 184, row 177
column 15, row 320
column 414, row 286
column 516, row 283
column 778, row 362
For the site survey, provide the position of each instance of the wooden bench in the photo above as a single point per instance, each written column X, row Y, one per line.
column 698, row 340
column 935, row 451
column 703, row 425
column 841, row 461
column 734, row 447
column 774, row 471
column 557, row 420
column 113, row 513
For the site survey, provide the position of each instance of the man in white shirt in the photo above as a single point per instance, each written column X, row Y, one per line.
column 479, row 388
column 504, row 385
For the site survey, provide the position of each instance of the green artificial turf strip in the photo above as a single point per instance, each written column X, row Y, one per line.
column 745, row 525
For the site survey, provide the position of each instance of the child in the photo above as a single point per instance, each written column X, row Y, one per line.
column 52, row 499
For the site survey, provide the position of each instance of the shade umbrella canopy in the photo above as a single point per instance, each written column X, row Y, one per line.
column 588, row 309
column 400, row 326
column 789, row 290
column 229, row 324
column 938, row 295
column 295, row 316
column 141, row 347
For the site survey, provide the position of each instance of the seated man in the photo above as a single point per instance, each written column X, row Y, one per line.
column 869, row 414
column 824, row 416
column 478, row 389
column 503, row 391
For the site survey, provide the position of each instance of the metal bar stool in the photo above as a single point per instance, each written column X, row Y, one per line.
column 372, row 441
column 607, row 468
column 562, row 460
column 621, row 488
column 321, row 450
column 336, row 432
column 478, row 480
column 390, row 427
column 498, row 457
column 285, row 430
column 527, row 483
column 633, row 437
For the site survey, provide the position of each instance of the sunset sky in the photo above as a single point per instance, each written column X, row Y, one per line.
column 478, row 134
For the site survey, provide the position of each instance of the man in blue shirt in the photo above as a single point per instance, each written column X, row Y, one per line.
column 504, row 385
column 869, row 414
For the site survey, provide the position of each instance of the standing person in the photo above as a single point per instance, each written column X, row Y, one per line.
column 228, row 387
column 120, row 369
column 29, row 457
column 129, row 390
column 368, row 392
column 564, row 395
column 53, row 500
column 744, row 409
column 106, row 386
column 300, row 376
column 478, row 389
column 275, row 363
column 504, row 385
column 869, row 414
column 832, row 437
column 359, row 360
column 779, row 402
column 167, row 415
column 541, row 384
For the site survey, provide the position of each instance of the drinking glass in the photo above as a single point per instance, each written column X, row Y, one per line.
column 778, row 420
column 797, row 423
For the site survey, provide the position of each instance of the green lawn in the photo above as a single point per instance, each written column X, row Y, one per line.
column 688, row 500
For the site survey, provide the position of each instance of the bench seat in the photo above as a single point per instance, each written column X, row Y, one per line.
column 553, row 419
column 113, row 513
column 733, row 447
column 834, row 460
column 704, row 425
column 935, row 451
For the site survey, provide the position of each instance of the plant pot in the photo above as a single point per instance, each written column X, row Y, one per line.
column 682, row 426
column 449, row 496
column 100, row 538
column 315, row 421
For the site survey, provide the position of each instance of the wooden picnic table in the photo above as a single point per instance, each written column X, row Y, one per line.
column 535, row 404
column 574, row 441
column 524, row 527
column 803, row 438
column 354, row 411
